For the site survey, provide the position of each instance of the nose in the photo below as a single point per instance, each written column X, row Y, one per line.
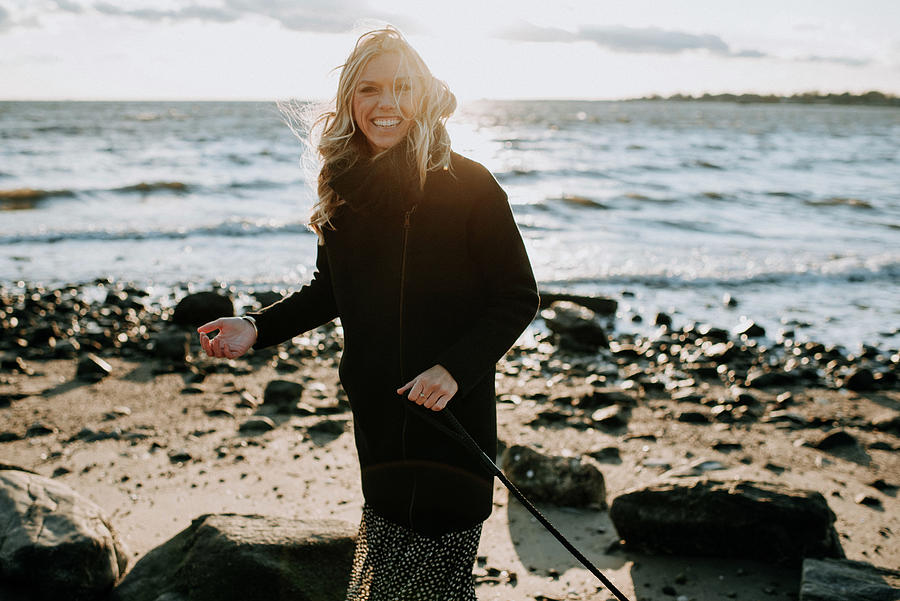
column 386, row 99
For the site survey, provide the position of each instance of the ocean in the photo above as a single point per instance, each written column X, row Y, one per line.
column 792, row 210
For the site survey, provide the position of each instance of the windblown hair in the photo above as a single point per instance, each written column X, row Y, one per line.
column 339, row 142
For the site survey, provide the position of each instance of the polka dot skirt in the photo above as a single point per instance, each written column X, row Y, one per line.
column 394, row 563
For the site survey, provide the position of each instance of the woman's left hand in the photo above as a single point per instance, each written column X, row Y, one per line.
column 433, row 388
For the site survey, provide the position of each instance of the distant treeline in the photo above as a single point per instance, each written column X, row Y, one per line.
column 872, row 98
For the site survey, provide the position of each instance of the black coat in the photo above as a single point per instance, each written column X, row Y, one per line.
column 451, row 262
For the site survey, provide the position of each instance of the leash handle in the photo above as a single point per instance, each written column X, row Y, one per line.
column 458, row 433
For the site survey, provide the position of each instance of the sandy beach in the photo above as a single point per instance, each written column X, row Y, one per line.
column 164, row 447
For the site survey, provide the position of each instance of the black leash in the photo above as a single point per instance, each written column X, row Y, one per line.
column 459, row 433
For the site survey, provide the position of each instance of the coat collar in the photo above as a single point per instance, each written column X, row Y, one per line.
column 387, row 184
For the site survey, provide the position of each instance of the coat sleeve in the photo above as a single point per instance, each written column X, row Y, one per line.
column 510, row 292
column 310, row 307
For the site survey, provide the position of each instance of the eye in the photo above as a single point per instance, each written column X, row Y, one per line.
column 403, row 87
column 367, row 89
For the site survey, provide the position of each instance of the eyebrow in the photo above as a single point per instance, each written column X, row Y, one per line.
column 406, row 79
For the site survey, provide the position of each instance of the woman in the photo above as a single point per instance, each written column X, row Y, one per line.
column 421, row 259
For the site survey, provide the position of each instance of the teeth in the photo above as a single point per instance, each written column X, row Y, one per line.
column 386, row 122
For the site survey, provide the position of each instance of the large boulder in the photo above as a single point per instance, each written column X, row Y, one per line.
column 566, row 481
column 845, row 580
column 200, row 307
column 696, row 516
column 55, row 543
column 232, row 557
column 577, row 328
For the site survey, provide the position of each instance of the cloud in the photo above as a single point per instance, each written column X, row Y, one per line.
column 5, row 20
column 68, row 6
column 848, row 61
column 629, row 39
column 202, row 13
column 321, row 16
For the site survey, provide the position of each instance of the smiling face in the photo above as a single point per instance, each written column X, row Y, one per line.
column 383, row 104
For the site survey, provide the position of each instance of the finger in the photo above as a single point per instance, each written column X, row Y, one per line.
column 204, row 343
column 216, row 344
column 226, row 349
column 439, row 403
column 415, row 394
column 210, row 326
column 405, row 388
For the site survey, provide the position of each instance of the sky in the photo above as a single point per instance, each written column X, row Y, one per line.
column 586, row 49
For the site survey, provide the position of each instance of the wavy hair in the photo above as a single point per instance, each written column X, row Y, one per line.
column 338, row 142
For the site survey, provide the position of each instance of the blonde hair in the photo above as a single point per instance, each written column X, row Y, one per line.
column 338, row 141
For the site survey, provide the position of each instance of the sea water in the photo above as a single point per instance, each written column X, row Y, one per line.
column 793, row 210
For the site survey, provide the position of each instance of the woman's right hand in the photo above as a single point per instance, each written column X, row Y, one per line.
column 235, row 337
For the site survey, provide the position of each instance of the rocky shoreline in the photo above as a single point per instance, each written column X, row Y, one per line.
column 114, row 398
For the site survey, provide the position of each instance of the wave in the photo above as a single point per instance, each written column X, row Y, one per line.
column 888, row 271
column 519, row 174
column 840, row 201
column 147, row 187
column 236, row 228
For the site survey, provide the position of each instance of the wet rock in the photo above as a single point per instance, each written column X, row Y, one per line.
column 231, row 557
column 576, row 327
column 257, row 424
column 749, row 329
column 662, row 319
column 846, row 580
column 196, row 309
column 9, row 436
column 763, row 378
column 282, row 394
column 92, row 368
column 706, row 517
column 566, row 481
column 598, row 304
column 56, row 543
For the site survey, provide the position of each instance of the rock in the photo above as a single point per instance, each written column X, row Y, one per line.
column 868, row 500
column 727, row 519
column 56, row 542
column 577, row 327
column 282, row 394
column 198, row 308
column 40, row 429
column 662, row 319
column 334, row 427
column 834, row 439
column 598, row 304
column 763, row 378
column 259, row 423
column 232, row 557
column 602, row 397
column 887, row 422
column 860, row 379
column 179, row 456
column 749, row 329
column 92, row 368
column 846, row 580
column 172, row 345
column 605, row 454
column 220, row 412
column 9, row 436
column 693, row 417
column 566, row 481
column 611, row 417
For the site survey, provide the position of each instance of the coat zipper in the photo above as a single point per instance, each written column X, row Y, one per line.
column 402, row 379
